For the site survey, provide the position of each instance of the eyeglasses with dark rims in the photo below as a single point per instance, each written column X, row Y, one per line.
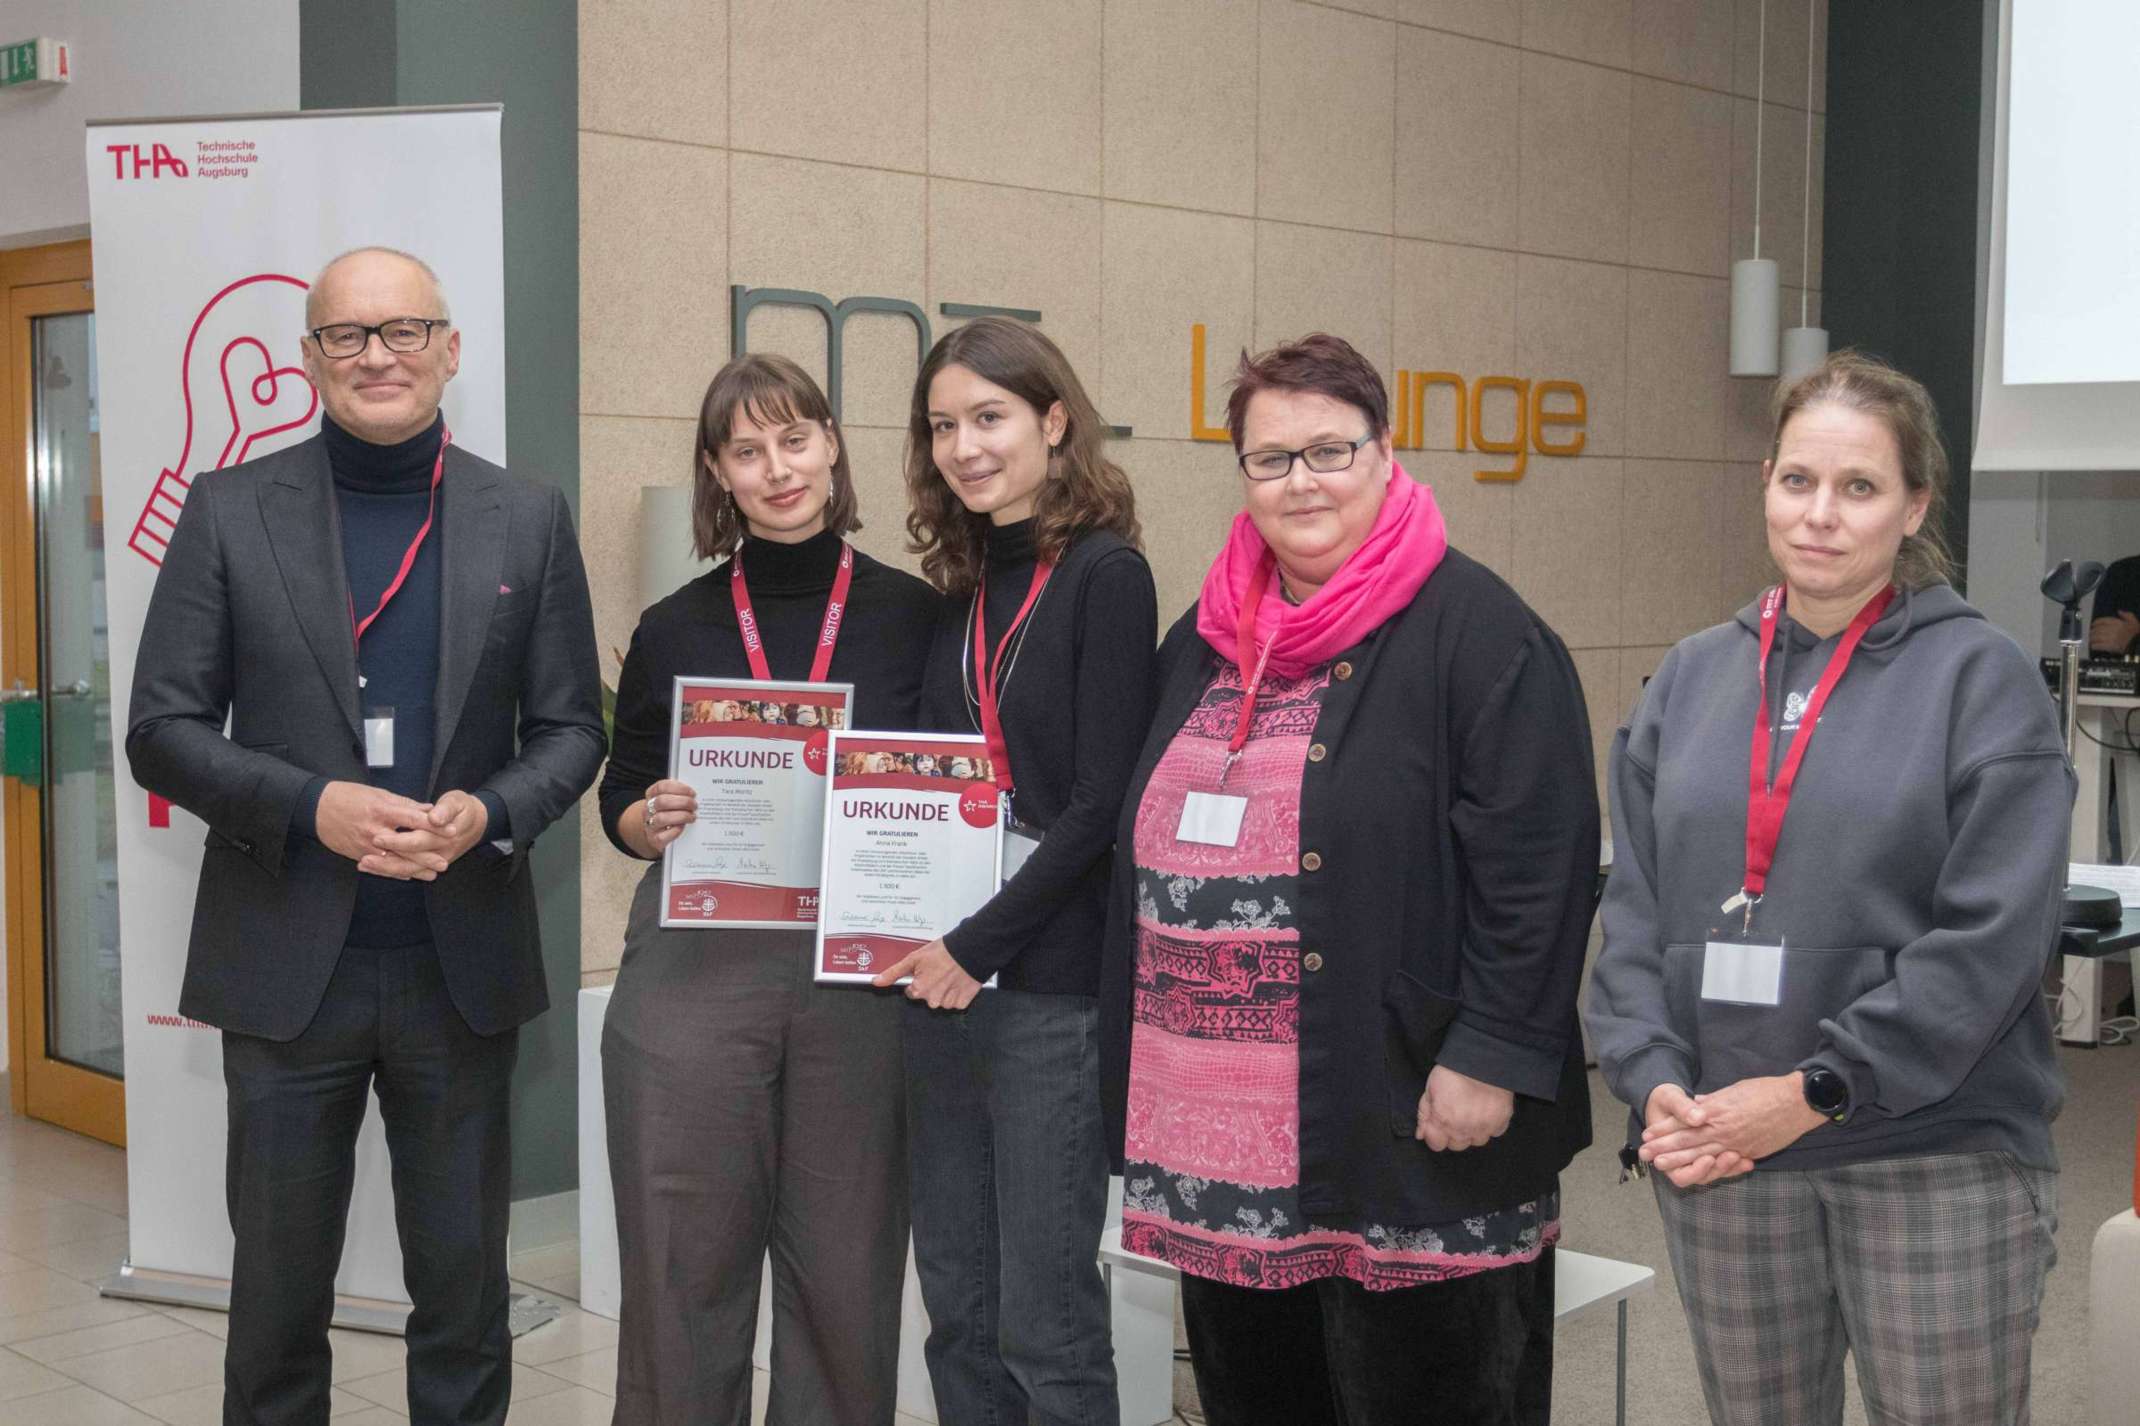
column 342, row 340
column 1324, row 458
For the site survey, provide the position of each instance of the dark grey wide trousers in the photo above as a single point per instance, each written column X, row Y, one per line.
column 752, row 1111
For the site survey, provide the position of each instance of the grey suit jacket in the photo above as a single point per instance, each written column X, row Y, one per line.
column 250, row 619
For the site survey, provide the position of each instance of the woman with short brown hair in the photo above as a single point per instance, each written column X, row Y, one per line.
column 1350, row 908
column 1046, row 650
column 750, row 1110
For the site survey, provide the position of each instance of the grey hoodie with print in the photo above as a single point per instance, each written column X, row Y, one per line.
column 1915, row 889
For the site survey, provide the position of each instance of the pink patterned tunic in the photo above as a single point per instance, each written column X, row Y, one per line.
column 1213, row 1172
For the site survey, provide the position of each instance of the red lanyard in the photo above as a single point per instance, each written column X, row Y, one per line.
column 1767, row 803
column 986, row 673
column 827, row 637
column 408, row 558
column 1244, row 645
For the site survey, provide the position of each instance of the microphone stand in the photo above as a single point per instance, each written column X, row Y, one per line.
column 2066, row 586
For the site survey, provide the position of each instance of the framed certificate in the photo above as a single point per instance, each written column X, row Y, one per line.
column 755, row 751
column 912, row 839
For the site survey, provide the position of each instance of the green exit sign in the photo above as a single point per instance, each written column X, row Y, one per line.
column 37, row 64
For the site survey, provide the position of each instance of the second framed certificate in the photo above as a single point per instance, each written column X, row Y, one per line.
column 756, row 752
column 912, row 838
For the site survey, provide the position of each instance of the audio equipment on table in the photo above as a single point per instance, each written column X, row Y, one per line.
column 2117, row 674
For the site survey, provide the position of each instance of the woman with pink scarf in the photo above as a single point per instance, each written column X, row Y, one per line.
column 1352, row 894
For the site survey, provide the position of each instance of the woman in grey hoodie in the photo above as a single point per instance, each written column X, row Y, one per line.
column 1818, row 990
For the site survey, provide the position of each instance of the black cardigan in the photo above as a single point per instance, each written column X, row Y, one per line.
column 1075, row 706
column 1455, row 810
column 884, row 637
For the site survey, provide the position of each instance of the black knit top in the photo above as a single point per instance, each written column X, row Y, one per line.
column 884, row 638
column 1076, row 690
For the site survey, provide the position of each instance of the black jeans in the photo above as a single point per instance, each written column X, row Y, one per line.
column 295, row 1109
column 1472, row 1351
column 1010, row 1197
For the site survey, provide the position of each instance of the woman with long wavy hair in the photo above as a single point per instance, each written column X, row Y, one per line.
column 1046, row 649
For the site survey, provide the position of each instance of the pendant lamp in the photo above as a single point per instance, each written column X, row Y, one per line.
column 1756, row 291
column 1805, row 346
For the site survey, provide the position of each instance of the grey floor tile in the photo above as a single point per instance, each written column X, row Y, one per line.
column 78, row 1406
column 146, row 1369
column 21, row 1327
column 83, row 1341
column 574, row 1334
column 20, row 1377
column 597, row 1371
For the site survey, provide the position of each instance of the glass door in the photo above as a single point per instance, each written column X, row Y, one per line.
column 63, row 892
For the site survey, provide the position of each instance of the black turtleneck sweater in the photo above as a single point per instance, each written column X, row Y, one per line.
column 381, row 494
column 884, row 637
column 1076, row 691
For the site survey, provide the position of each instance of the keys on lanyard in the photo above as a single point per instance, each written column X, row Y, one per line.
column 1767, row 802
column 828, row 634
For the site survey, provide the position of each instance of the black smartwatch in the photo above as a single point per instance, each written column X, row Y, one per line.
column 1827, row 1094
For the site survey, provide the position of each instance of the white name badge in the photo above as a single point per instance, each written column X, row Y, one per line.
column 1742, row 975
column 1018, row 843
column 1212, row 818
column 379, row 738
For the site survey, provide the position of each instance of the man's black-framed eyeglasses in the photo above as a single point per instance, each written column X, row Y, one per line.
column 343, row 340
column 1324, row 458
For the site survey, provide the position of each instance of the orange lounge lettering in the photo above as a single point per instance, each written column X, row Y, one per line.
column 1558, row 429
column 1198, row 431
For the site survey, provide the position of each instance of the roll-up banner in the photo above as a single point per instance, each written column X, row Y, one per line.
column 207, row 233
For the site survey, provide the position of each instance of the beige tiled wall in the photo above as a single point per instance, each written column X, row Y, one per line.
column 1539, row 188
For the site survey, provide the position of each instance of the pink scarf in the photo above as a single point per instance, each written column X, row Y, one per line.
column 1375, row 581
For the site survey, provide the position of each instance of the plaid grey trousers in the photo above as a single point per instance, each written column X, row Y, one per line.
column 1928, row 1270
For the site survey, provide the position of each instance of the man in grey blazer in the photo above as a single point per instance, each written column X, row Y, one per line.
column 399, row 635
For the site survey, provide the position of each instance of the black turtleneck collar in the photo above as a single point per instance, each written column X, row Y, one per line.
column 1010, row 545
column 771, row 565
column 401, row 467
